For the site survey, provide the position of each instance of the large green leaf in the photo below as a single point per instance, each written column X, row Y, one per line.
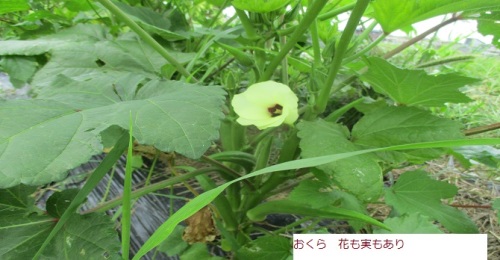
column 165, row 24
column 415, row 192
column 90, row 236
column 87, row 53
column 267, row 247
column 198, row 251
column 80, row 97
column 119, row 58
column 318, row 194
column 313, row 193
column 40, row 140
column 20, row 69
column 259, row 6
column 7, row 6
column 77, row 5
column 397, row 14
column 488, row 23
column 102, row 90
column 409, row 224
column 415, row 87
column 23, row 229
column 361, row 175
column 174, row 244
column 59, row 202
column 21, row 225
column 51, row 138
column 64, row 39
column 402, row 125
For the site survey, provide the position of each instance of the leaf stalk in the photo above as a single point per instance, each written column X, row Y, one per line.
column 146, row 38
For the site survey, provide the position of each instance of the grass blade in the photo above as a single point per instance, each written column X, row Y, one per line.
column 204, row 199
column 91, row 183
column 127, row 200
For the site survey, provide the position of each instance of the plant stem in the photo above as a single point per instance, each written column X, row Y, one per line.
column 287, row 31
column 336, row 12
column 261, row 136
column 420, row 37
column 335, row 115
column 226, row 169
column 366, row 31
column 284, row 62
column 151, row 169
column 456, row 205
column 108, row 186
column 364, row 50
column 289, row 152
column 397, row 50
column 171, row 166
column 482, row 129
column 345, row 39
column 146, row 37
column 247, row 24
column 291, row 225
column 445, row 61
column 429, row 44
column 127, row 200
column 149, row 189
column 315, row 44
column 309, row 17
column 221, row 203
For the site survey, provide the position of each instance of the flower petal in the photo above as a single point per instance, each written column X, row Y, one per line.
column 248, row 109
column 252, row 106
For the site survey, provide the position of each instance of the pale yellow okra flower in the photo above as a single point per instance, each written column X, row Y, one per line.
column 266, row 104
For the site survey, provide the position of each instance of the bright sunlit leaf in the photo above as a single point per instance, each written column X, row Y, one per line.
column 415, row 87
column 396, row 14
column 259, row 6
column 416, row 192
column 360, row 175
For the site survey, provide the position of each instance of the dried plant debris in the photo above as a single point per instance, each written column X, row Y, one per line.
column 200, row 227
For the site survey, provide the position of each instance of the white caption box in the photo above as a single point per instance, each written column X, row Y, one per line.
column 390, row 246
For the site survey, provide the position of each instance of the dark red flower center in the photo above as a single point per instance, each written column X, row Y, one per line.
column 275, row 110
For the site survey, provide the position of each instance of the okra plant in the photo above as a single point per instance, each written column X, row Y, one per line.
column 273, row 107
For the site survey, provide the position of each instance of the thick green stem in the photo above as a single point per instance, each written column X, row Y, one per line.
column 284, row 62
column 345, row 39
column 146, row 37
column 315, row 44
column 309, row 17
